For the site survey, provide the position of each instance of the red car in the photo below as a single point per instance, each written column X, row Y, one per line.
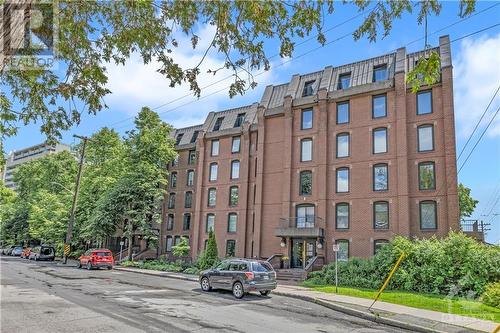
column 96, row 258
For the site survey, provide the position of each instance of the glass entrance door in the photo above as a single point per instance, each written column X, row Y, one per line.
column 302, row 251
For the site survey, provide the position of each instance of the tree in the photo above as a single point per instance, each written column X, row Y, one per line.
column 465, row 201
column 133, row 202
column 182, row 249
column 93, row 34
column 211, row 253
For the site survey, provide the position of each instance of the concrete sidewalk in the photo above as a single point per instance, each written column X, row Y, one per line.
column 414, row 319
column 419, row 319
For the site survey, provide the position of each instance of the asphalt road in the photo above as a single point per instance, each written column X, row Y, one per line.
column 49, row 297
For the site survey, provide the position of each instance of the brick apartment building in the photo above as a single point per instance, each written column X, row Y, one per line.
column 346, row 155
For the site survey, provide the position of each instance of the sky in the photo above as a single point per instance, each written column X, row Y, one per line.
column 476, row 71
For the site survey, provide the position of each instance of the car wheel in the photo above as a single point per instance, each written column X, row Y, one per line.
column 265, row 292
column 205, row 284
column 238, row 291
column 89, row 266
column 110, row 267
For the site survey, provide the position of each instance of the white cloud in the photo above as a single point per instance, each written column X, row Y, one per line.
column 476, row 78
column 135, row 85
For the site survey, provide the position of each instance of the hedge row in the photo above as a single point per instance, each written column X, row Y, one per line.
column 456, row 265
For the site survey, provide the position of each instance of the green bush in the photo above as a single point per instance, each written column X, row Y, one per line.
column 191, row 270
column 491, row 295
column 181, row 249
column 456, row 265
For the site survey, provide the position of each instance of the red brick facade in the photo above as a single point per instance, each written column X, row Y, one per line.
column 270, row 208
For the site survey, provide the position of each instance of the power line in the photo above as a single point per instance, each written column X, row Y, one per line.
column 302, row 55
column 477, row 125
column 477, row 142
column 313, row 50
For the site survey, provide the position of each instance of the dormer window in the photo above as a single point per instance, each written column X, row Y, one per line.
column 239, row 120
column 344, row 81
column 380, row 73
column 194, row 137
column 179, row 138
column 308, row 88
column 218, row 123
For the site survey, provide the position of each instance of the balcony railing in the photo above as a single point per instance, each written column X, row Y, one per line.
column 300, row 222
column 308, row 226
column 474, row 228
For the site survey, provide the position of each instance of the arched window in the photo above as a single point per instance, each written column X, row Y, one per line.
column 380, row 177
column 379, row 140
column 342, row 215
column 381, row 215
column 343, row 145
column 305, row 187
column 425, row 137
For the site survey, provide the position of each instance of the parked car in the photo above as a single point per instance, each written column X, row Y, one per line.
column 240, row 276
column 96, row 258
column 26, row 253
column 8, row 250
column 42, row 252
column 16, row 252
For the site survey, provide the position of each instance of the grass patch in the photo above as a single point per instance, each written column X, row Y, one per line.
column 458, row 306
column 159, row 265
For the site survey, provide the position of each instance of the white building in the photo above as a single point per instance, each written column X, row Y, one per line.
column 17, row 158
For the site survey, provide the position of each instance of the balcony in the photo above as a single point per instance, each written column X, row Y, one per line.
column 300, row 227
column 474, row 228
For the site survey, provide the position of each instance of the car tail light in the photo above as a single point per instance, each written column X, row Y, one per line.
column 249, row 275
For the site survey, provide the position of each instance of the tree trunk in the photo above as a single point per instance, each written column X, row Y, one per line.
column 130, row 236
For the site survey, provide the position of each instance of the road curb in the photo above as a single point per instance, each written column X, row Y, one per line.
column 178, row 277
column 365, row 315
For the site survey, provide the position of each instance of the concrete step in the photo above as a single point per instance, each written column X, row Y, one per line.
column 291, row 274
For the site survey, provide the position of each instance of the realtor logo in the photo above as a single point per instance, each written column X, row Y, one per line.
column 29, row 34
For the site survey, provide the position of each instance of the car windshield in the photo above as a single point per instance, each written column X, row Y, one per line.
column 261, row 267
column 18, row 248
column 47, row 251
column 102, row 254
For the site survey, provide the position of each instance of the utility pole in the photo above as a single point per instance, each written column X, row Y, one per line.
column 69, row 232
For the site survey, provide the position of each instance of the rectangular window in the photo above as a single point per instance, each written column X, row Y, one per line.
column 235, row 147
column 194, row 137
column 342, row 180
column 173, row 180
column 232, row 221
column 213, row 172
column 305, row 183
column 210, row 222
column 214, row 151
column 169, row 243
column 424, row 102
column 218, row 124
column 306, row 121
column 305, row 216
column 175, row 161
column 378, row 244
column 342, row 216
column 344, row 81
column 178, row 138
column 379, row 106
column 233, row 196
column 212, row 197
column 380, row 73
column 177, row 240
column 306, row 150
column 343, row 145
column 343, row 113
column 230, row 248
column 381, row 215
column 308, row 88
column 190, row 178
column 343, row 252
column 235, row 169
column 186, row 223
column 191, row 156
column 425, row 138
column 239, row 119
column 170, row 222
column 428, row 215
column 171, row 201
column 380, row 177
column 188, row 199
column 426, row 176
column 380, row 140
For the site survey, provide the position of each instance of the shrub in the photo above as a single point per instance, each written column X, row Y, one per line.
column 181, row 249
column 209, row 257
column 456, row 265
column 191, row 270
column 491, row 295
